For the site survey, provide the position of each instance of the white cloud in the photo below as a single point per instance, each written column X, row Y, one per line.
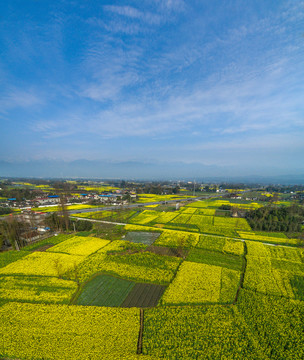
column 18, row 98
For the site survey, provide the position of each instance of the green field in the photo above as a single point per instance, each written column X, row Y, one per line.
column 216, row 258
column 208, row 332
column 104, row 290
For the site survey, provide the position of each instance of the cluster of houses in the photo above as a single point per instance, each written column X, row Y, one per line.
column 49, row 200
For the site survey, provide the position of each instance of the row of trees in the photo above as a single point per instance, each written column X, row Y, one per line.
column 269, row 218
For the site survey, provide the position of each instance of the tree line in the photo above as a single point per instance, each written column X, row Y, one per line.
column 270, row 218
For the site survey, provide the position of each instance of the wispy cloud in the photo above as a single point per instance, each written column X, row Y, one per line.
column 20, row 99
column 133, row 13
column 158, row 72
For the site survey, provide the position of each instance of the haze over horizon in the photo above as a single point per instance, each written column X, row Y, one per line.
column 197, row 87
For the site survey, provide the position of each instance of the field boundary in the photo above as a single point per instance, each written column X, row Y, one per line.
column 241, row 284
column 141, row 330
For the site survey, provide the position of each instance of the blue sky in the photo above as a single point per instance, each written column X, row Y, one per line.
column 210, row 82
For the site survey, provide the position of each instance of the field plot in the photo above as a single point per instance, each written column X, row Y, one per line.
column 96, row 215
column 201, row 220
column 49, row 290
column 181, row 218
column 236, row 223
column 69, row 207
column 165, row 217
column 144, row 295
column 80, row 245
column 271, row 234
column 198, row 204
column 223, row 245
column 206, row 212
column 145, row 267
column 216, row 258
column 105, row 290
column 277, row 324
column 147, row 198
column 43, row 263
column 133, row 227
column 93, row 264
column 162, row 250
column 276, row 252
column 197, row 283
column 143, row 237
column 54, row 240
column 145, row 217
column 173, row 238
column 267, row 239
column 205, row 332
column 274, row 271
column 217, row 225
column 9, row 257
column 213, row 203
column 188, row 210
column 140, row 266
column 57, row 332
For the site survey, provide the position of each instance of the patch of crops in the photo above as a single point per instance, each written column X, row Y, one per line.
column 36, row 289
column 9, row 257
column 197, row 283
column 261, row 276
column 144, row 295
column 36, row 331
column 182, row 218
column 221, row 244
column 182, row 227
column 207, row 332
column 294, row 254
column 235, row 223
column 145, row 217
column 105, row 290
column 188, row 210
column 42, row 263
column 271, row 234
column 162, row 250
column 297, row 283
column 277, row 324
column 173, row 238
column 267, row 239
column 286, row 253
column 53, row 240
column 79, row 245
column 146, row 238
column 216, row 258
column 94, row 263
column 133, row 227
column 141, row 267
column 69, row 207
column 85, row 233
column 165, row 217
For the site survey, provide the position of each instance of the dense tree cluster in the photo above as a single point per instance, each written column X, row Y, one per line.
column 5, row 210
column 81, row 225
column 287, row 219
column 20, row 193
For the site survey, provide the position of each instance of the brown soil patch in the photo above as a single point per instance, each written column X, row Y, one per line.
column 144, row 295
column 43, row 248
column 162, row 250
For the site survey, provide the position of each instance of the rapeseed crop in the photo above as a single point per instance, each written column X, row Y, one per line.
column 80, row 245
column 57, row 332
column 40, row 289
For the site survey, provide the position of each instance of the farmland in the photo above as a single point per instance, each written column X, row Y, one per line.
column 190, row 283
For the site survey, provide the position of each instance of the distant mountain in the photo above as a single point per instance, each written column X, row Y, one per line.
column 142, row 171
